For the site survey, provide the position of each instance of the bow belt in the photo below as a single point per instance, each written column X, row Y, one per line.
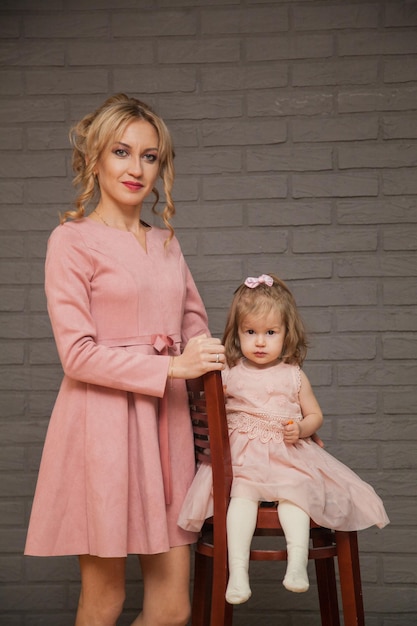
column 164, row 345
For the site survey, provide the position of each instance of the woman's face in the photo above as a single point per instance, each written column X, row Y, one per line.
column 128, row 168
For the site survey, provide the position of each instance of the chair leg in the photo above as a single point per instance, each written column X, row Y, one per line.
column 326, row 585
column 350, row 578
column 203, row 576
column 221, row 611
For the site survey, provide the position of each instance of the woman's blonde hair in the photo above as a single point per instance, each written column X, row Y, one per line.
column 259, row 301
column 97, row 130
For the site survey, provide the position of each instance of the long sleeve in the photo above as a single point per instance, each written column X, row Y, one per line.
column 69, row 272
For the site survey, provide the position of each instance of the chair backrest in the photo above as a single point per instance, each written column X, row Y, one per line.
column 211, row 438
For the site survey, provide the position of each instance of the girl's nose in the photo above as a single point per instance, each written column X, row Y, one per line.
column 260, row 340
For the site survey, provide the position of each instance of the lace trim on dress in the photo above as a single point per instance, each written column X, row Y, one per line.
column 263, row 426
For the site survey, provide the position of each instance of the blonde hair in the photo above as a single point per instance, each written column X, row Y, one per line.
column 91, row 135
column 259, row 301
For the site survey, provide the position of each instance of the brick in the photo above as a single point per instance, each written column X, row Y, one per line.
column 196, row 108
column 154, row 24
column 399, row 455
column 376, row 374
column 209, row 161
column 403, row 347
column 216, row 215
column 335, row 184
column 244, row 187
column 12, row 459
column 46, row 164
column 67, row 81
column 389, row 319
column 207, row 51
column 340, row 128
column 402, row 13
column 67, row 25
column 12, row 299
column 401, row 70
column 399, row 569
column 11, row 353
column 392, row 154
column 336, row 16
column 399, row 292
column 116, row 51
column 260, row 76
column 331, row 348
column 328, row 239
column 10, row 569
column 399, row 126
column 400, row 238
column 11, row 512
column 244, row 20
column 30, row 53
column 288, row 104
column 393, row 99
column 328, row 293
column 399, row 182
column 335, row 72
column 288, row 159
column 380, row 43
column 261, row 240
column 288, row 47
column 381, row 211
column 397, row 403
column 389, row 265
column 281, row 213
column 11, row 83
column 166, row 80
column 237, row 132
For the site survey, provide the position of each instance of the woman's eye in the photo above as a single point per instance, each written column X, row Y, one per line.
column 151, row 158
column 120, row 152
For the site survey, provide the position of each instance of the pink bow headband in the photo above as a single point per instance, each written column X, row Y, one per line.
column 252, row 282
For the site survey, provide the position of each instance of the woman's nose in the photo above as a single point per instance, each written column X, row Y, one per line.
column 135, row 167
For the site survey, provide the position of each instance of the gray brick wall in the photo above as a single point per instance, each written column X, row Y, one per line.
column 295, row 125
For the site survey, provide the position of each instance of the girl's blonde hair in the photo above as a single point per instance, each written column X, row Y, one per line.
column 259, row 301
column 97, row 130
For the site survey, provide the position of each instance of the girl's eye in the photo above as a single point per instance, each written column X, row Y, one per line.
column 271, row 332
column 250, row 332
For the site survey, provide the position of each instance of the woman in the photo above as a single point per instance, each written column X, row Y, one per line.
column 130, row 327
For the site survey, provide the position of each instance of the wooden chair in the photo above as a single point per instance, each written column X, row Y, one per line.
column 211, row 573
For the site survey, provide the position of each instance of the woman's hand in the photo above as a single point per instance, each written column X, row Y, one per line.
column 201, row 354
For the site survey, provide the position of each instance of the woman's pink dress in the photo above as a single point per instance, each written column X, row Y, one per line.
column 258, row 403
column 118, row 457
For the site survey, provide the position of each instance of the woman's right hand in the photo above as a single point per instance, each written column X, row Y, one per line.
column 201, row 354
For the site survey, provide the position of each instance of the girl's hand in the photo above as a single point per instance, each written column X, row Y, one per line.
column 201, row 354
column 292, row 432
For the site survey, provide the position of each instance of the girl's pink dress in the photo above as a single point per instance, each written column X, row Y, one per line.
column 118, row 457
column 258, row 403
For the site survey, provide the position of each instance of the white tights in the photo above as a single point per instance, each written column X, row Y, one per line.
column 241, row 523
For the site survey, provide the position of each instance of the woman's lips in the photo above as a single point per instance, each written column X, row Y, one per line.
column 133, row 186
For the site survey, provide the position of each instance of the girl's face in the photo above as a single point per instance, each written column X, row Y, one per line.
column 128, row 168
column 262, row 339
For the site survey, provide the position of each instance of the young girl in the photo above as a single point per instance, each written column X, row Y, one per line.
column 272, row 415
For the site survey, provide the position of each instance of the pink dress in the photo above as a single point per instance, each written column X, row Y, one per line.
column 265, row 468
column 118, row 457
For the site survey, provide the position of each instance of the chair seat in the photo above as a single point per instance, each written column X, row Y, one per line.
column 211, row 574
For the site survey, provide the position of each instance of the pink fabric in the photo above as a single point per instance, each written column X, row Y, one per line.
column 265, row 468
column 117, row 313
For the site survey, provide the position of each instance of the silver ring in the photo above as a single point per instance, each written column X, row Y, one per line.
column 217, row 358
